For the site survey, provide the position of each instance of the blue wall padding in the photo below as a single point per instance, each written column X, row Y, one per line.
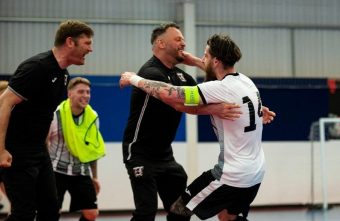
column 297, row 103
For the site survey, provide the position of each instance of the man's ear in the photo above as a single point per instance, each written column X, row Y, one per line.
column 216, row 61
column 70, row 42
column 160, row 43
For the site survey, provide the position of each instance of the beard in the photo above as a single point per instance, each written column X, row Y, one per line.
column 209, row 73
column 179, row 59
column 174, row 52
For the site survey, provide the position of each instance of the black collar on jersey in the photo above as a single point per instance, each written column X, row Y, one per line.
column 167, row 72
column 160, row 63
column 233, row 74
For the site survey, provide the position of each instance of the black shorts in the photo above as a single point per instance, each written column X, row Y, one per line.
column 81, row 190
column 206, row 197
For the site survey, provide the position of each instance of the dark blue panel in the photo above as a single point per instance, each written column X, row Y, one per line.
column 297, row 103
column 112, row 104
column 181, row 135
column 4, row 77
column 296, row 110
column 205, row 131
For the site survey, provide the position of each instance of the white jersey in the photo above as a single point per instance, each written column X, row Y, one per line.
column 241, row 159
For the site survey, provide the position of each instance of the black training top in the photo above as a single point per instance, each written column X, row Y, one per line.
column 152, row 124
column 41, row 83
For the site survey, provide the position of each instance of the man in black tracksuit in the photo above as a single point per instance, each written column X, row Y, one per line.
column 26, row 111
column 147, row 147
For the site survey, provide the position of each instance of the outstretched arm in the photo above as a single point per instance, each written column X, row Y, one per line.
column 222, row 110
column 160, row 90
column 172, row 95
column 191, row 60
column 175, row 97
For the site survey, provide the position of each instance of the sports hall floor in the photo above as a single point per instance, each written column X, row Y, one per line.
column 256, row 214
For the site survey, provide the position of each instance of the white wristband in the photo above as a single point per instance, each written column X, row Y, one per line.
column 134, row 80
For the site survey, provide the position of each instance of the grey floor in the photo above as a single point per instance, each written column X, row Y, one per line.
column 256, row 214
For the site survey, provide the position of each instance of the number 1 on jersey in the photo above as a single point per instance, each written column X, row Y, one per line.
column 251, row 108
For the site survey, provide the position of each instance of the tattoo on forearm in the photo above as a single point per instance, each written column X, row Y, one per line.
column 180, row 93
column 154, row 89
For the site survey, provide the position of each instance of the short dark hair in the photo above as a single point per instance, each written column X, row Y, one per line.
column 73, row 29
column 78, row 80
column 224, row 49
column 161, row 30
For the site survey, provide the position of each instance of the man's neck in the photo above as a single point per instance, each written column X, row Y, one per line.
column 166, row 60
column 220, row 74
column 77, row 111
column 60, row 56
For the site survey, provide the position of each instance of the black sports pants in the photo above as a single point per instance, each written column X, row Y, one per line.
column 30, row 187
column 168, row 179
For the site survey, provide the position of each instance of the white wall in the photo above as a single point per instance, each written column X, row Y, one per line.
column 287, row 180
column 296, row 38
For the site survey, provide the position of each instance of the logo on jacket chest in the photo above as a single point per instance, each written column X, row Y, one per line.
column 65, row 79
column 181, row 77
column 138, row 171
column 54, row 79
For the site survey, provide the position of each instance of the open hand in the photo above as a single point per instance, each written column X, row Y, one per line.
column 191, row 60
column 268, row 115
column 226, row 111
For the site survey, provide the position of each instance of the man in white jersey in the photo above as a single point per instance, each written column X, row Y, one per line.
column 230, row 187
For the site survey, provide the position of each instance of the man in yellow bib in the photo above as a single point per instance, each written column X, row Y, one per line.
column 75, row 144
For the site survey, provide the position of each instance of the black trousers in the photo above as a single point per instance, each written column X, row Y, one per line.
column 30, row 187
column 168, row 179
